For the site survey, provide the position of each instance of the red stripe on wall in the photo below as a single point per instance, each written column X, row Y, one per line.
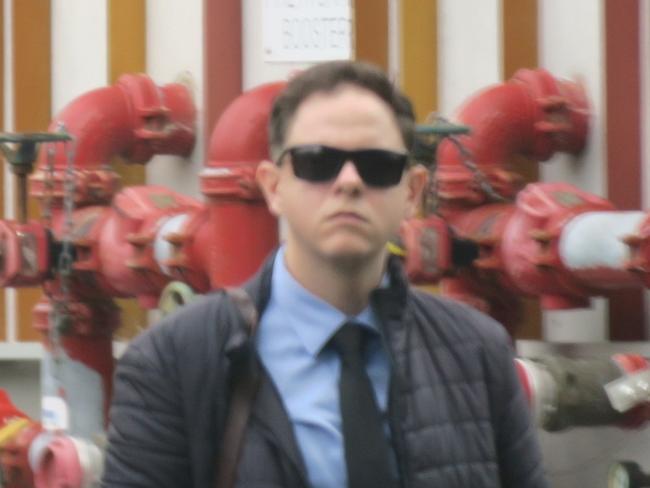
column 419, row 54
column 623, row 126
column 222, row 27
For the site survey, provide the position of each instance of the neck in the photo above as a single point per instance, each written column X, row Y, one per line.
column 344, row 284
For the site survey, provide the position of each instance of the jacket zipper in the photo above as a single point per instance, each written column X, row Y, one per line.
column 397, row 435
column 396, row 432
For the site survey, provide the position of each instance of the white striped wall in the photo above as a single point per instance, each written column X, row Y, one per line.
column 583, row 61
column 463, row 68
column 470, row 56
column 79, row 49
column 570, row 41
column 8, row 186
column 573, row 50
column 175, row 53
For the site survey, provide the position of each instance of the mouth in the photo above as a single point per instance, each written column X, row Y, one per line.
column 351, row 217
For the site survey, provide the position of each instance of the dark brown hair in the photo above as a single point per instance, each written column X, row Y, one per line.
column 327, row 77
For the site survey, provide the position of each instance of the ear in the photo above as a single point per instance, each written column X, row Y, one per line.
column 417, row 178
column 268, row 177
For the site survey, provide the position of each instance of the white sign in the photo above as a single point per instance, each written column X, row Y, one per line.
column 54, row 413
column 307, row 30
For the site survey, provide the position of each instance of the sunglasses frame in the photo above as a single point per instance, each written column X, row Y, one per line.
column 378, row 168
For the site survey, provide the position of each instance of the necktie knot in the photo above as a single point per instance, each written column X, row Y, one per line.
column 349, row 342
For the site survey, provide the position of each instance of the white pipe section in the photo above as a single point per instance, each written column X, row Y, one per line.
column 543, row 390
column 595, row 240
column 162, row 249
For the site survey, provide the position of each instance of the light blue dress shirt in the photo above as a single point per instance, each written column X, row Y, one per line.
column 295, row 327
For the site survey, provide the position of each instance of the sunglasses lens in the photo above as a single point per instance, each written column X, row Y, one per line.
column 316, row 163
column 379, row 168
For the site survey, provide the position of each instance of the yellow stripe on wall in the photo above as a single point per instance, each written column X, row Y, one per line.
column 371, row 31
column 419, row 54
column 520, row 46
column 127, row 54
column 32, row 108
column 520, row 50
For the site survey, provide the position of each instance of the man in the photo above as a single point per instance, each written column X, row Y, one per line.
column 365, row 381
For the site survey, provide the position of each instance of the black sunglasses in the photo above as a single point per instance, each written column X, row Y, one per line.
column 379, row 168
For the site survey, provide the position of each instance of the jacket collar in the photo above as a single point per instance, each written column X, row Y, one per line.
column 390, row 302
column 259, row 286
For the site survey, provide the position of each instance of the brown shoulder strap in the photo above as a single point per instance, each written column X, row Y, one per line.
column 244, row 303
column 244, row 383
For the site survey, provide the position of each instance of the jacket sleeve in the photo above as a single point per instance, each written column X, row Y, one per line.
column 147, row 439
column 519, row 455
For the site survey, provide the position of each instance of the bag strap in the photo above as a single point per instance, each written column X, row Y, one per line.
column 244, row 383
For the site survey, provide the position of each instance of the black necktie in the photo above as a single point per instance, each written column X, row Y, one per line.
column 367, row 453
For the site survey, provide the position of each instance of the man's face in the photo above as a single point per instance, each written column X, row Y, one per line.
column 344, row 219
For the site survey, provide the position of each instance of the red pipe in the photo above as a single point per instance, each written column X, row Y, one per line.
column 134, row 119
column 8, row 411
column 243, row 230
column 14, row 460
column 532, row 115
column 123, row 243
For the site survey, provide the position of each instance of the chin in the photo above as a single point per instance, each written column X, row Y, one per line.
column 352, row 255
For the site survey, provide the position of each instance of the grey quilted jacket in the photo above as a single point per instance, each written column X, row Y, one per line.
column 457, row 413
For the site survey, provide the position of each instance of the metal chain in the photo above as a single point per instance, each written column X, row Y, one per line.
column 425, row 154
column 479, row 177
column 61, row 319
column 48, row 186
column 431, row 196
column 431, row 199
column 60, row 313
column 66, row 257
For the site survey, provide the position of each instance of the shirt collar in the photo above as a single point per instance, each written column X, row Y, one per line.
column 313, row 319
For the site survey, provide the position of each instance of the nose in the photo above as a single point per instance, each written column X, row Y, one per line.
column 348, row 178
